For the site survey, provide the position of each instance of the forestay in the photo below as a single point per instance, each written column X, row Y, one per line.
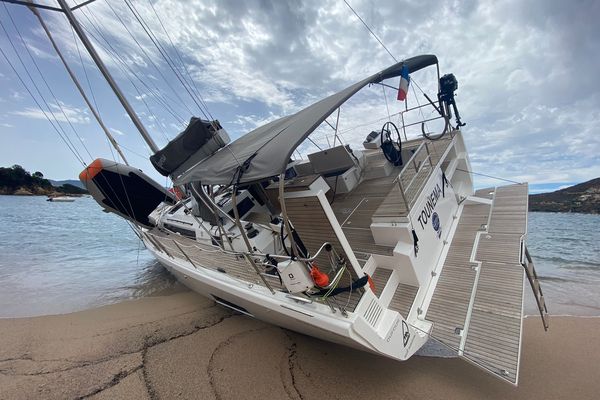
column 266, row 151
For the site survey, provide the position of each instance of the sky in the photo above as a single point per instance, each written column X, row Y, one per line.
column 527, row 73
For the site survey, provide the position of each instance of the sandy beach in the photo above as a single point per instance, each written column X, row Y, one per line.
column 184, row 346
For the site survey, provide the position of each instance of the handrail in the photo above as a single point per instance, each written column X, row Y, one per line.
column 411, row 159
column 424, row 180
column 427, row 160
column 418, row 171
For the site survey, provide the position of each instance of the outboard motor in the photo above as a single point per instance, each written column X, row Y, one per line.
column 449, row 85
column 124, row 190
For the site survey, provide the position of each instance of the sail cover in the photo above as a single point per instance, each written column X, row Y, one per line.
column 266, row 151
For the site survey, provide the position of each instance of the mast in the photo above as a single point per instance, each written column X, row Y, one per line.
column 74, row 78
column 90, row 48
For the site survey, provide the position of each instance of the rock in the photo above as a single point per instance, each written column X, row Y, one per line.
column 22, row 192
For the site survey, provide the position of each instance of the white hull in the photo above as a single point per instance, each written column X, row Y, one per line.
column 310, row 319
column 476, row 240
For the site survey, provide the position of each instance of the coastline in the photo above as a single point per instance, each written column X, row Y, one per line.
column 183, row 345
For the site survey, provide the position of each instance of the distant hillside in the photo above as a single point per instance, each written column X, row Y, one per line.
column 581, row 198
column 16, row 180
column 73, row 182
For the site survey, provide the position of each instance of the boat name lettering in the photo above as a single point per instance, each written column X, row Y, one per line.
column 427, row 210
column 394, row 327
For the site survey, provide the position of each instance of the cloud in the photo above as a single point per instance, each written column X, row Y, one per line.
column 59, row 111
column 6, row 125
column 15, row 95
column 117, row 131
column 526, row 70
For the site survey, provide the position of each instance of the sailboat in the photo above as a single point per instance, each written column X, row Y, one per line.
column 381, row 247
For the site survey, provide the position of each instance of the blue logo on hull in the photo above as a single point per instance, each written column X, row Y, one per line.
column 435, row 223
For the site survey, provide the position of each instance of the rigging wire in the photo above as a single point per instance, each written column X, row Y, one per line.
column 391, row 55
column 123, row 66
column 39, row 105
column 146, row 54
column 110, row 145
column 57, row 102
column 149, row 59
column 386, row 103
column 389, row 52
column 371, row 31
column 145, row 157
column 185, row 83
column 163, row 53
column 56, row 125
column 76, row 41
column 181, row 60
column 488, row 176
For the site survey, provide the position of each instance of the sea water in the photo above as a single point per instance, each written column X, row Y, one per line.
column 63, row 257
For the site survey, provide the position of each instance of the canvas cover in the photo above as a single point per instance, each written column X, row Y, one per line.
column 265, row 151
column 183, row 146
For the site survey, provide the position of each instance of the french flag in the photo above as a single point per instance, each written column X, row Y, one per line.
column 404, row 82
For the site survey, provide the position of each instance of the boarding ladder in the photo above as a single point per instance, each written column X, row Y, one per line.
column 537, row 289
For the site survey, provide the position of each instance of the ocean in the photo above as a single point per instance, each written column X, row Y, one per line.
column 63, row 257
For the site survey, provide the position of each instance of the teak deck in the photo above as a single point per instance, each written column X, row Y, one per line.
column 380, row 198
column 478, row 301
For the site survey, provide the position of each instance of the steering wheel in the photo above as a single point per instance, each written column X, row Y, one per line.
column 392, row 150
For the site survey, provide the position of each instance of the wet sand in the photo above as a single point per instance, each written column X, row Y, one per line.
column 184, row 346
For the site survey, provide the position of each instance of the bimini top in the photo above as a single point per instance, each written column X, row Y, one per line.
column 266, row 151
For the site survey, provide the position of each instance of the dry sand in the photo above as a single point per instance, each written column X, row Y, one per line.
column 183, row 346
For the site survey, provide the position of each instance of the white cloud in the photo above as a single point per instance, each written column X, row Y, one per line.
column 61, row 112
column 15, row 95
column 526, row 71
column 117, row 131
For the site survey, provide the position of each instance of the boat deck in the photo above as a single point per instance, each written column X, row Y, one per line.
column 478, row 301
column 354, row 212
column 204, row 256
column 380, row 198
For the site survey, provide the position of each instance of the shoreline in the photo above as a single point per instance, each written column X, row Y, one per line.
column 183, row 345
